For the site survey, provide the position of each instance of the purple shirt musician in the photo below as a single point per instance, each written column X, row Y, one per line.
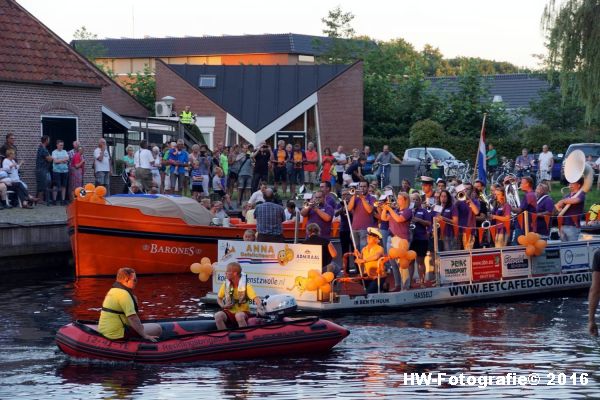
column 361, row 218
column 544, row 205
column 503, row 211
column 448, row 213
column 325, row 226
column 466, row 217
column 574, row 209
column 421, row 232
column 401, row 229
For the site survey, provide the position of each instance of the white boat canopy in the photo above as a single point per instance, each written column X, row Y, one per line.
column 185, row 208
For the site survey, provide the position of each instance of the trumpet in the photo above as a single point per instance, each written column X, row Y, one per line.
column 352, row 191
column 461, row 196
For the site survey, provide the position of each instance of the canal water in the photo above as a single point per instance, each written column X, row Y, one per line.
column 384, row 356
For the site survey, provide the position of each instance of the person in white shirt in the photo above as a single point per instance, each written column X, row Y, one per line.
column 340, row 160
column 154, row 169
column 258, row 195
column 546, row 161
column 143, row 165
column 102, row 165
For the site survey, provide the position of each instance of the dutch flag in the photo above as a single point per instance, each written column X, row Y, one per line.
column 481, row 164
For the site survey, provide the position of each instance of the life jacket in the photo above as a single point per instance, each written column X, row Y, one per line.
column 241, row 291
column 186, row 117
column 595, row 212
column 118, row 285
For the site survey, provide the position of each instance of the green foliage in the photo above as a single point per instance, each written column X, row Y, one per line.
column 340, row 50
column 558, row 141
column 573, row 34
column 555, row 112
column 90, row 49
column 143, row 87
column 427, row 133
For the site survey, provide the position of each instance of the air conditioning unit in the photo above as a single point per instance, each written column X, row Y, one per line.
column 163, row 109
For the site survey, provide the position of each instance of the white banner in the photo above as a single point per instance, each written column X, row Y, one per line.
column 574, row 257
column 272, row 268
column 455, row 267
column 514, row 262
column 547, row 263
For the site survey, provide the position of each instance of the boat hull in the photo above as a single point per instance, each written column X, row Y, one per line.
column 291, row 337
column 106, row 237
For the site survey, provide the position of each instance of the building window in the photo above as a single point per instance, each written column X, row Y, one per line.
column 306, row 59
column 207, row 81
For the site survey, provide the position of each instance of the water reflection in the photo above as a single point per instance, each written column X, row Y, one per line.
column 539, row 335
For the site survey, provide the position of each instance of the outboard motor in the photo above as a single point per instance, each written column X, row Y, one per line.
column 278, row 306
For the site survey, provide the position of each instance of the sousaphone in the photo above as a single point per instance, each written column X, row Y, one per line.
column 575, row 169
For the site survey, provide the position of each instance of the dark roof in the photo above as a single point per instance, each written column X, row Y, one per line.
column 258, row 94
column 517, row 90
column 30, row 52
column 284, row 43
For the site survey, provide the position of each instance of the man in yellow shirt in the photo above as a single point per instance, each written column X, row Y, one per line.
column 118, row 318
column 234, row 298
column 369, row 257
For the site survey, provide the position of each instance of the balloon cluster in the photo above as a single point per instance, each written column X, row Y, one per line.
column 204, row 269
column 534, row 246
column 90, row 193
column 400, row 252
column 316, row 280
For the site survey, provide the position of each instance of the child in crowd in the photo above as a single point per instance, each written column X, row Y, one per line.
column 197, row 189
column 249, row 235
column 217, row 182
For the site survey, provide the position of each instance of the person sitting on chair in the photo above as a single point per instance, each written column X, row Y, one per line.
column 369, row 257
column 119, row 316
column 234, row 297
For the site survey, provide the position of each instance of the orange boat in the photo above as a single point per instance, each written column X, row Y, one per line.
column 154, row 234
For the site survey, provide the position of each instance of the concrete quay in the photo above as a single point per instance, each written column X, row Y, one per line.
column 34, row 238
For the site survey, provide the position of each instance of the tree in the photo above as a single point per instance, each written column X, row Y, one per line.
column 88, row 47
column 142, row 86
column 573, row 42
column 341, row 48
column 555, row 112
column 427, row 133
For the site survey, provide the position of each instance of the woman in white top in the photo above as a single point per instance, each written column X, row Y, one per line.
column 10, row 165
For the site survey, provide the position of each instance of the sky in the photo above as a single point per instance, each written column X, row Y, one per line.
column 502, row 30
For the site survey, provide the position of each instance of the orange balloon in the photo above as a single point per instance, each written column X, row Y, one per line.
column 540, row 245
column 203, row 277
column 313, row 273
column 89, row 187
column 411, row 255
column 95, row 199
column 394, row 252
column 195, row 268
column 205, row 260
column 532, row 237
column 404, row 263
column 522, row 240
column 329, row 276
column 325, row 289
column 402, row 253
column 319, row 280
column 530, row 250
column 403, row 245
column 100, row 191
column 206, row 269
column 311, row 286
column 538, row 252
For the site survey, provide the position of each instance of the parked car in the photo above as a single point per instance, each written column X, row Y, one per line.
column 589, row 149
column 418, row 155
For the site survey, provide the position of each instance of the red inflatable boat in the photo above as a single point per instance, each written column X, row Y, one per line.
column 196, row 340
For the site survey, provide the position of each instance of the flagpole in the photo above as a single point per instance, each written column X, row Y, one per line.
column 476, row 170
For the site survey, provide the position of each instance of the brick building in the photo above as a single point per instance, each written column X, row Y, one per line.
column 48, row 88
column 297, row 103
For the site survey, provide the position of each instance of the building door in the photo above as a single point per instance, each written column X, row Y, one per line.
column 63, row 128
column 292, row 137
